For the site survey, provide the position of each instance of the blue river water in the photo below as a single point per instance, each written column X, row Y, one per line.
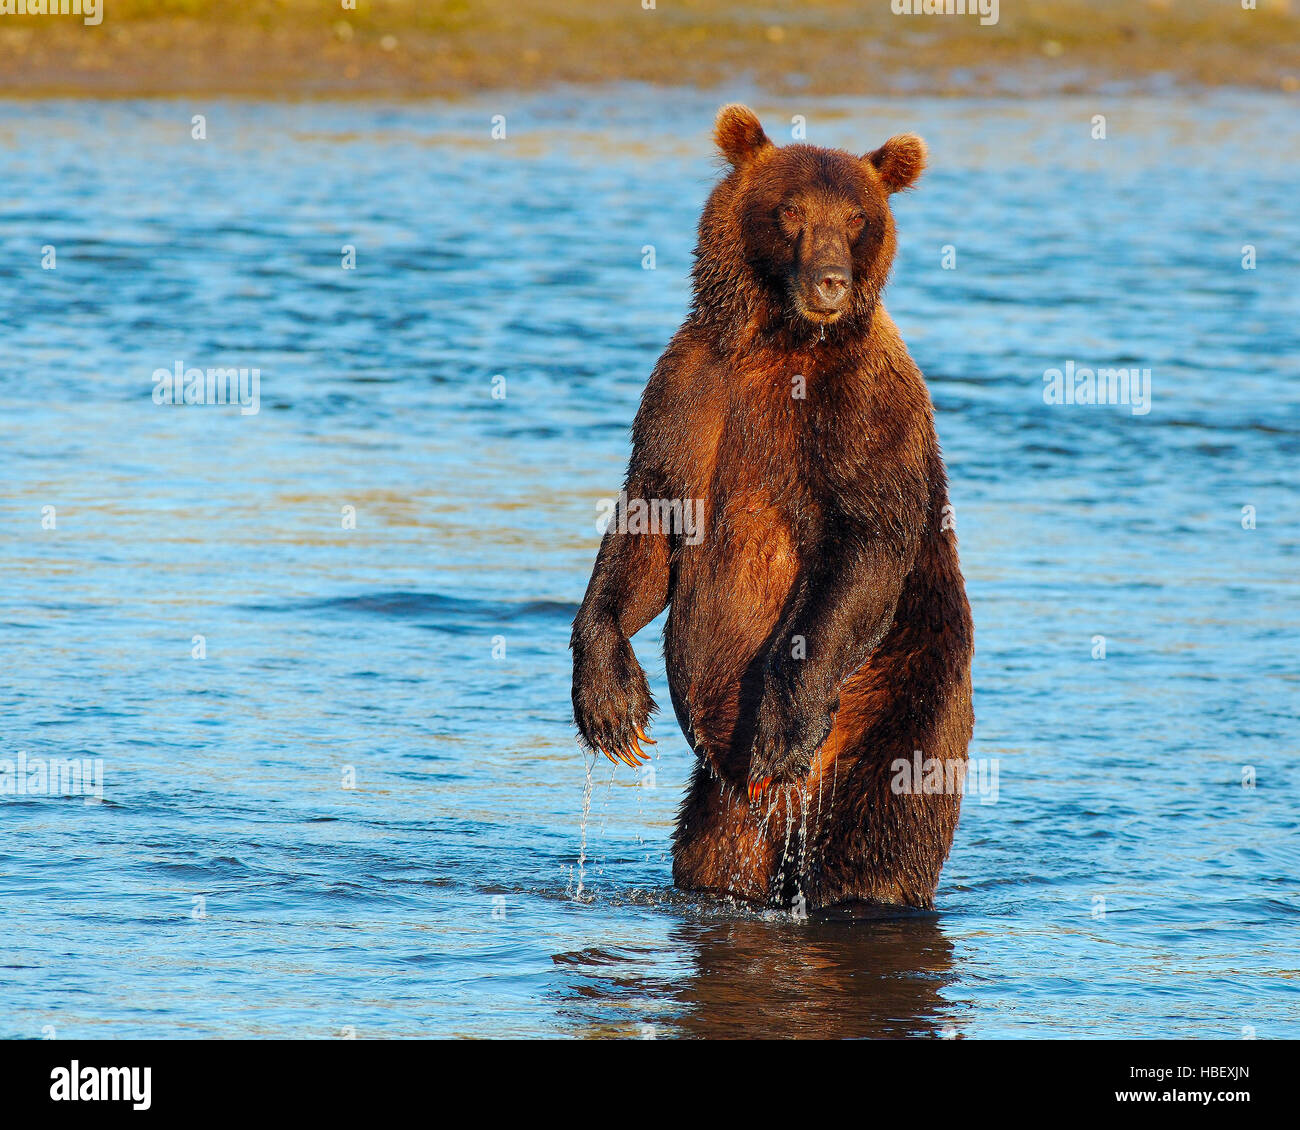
column 319, row 651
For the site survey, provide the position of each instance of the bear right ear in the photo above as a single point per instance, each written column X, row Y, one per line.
column 739, row 134
column 899, row 161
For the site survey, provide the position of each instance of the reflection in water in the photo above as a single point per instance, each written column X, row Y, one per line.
column 774, row 978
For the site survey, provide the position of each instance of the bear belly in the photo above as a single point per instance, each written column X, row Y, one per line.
column 729, row 596
column 843, row 834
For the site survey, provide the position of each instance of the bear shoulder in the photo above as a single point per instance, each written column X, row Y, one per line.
column 681, row 413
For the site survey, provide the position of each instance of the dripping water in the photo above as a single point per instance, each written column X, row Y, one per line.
column 589, row 761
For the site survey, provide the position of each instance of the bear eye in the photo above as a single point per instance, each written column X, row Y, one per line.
column 790, row 212
column 858, row 219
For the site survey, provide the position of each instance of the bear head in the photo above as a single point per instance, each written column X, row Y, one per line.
column 798, row 238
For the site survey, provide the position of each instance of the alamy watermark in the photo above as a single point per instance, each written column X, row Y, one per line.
column 1076, row 384
column 76, row 1083
column 987, row 10
column 54, row 776
column 179, row 385
column 945, row 775
column 90, row 11
column 681, row 516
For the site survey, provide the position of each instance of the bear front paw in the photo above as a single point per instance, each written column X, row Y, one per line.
column 786, row 739
column 611, row 700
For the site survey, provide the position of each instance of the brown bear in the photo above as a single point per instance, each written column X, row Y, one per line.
column 818, row 632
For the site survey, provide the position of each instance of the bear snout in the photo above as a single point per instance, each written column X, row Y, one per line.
column 832, row 287
column 822, row 291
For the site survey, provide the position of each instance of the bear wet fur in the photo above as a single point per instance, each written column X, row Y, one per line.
column 818, row 631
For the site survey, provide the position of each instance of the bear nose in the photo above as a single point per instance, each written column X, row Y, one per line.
column 832, row 285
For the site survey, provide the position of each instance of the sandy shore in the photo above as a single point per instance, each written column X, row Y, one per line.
column 445, row 48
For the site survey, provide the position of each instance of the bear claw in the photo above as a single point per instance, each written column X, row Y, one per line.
column 628, row 755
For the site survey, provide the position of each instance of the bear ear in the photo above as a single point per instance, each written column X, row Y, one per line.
column 899, row 161
column 739, row 134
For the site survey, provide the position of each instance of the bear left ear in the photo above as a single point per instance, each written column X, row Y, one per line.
column 739, row 134
column 899, row 161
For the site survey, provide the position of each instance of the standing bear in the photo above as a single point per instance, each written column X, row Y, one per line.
column 819, row 631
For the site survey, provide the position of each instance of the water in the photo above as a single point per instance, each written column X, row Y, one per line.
column 1125, row 883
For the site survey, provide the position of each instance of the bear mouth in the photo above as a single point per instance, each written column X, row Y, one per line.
column 809, row 307
column 817, row 315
